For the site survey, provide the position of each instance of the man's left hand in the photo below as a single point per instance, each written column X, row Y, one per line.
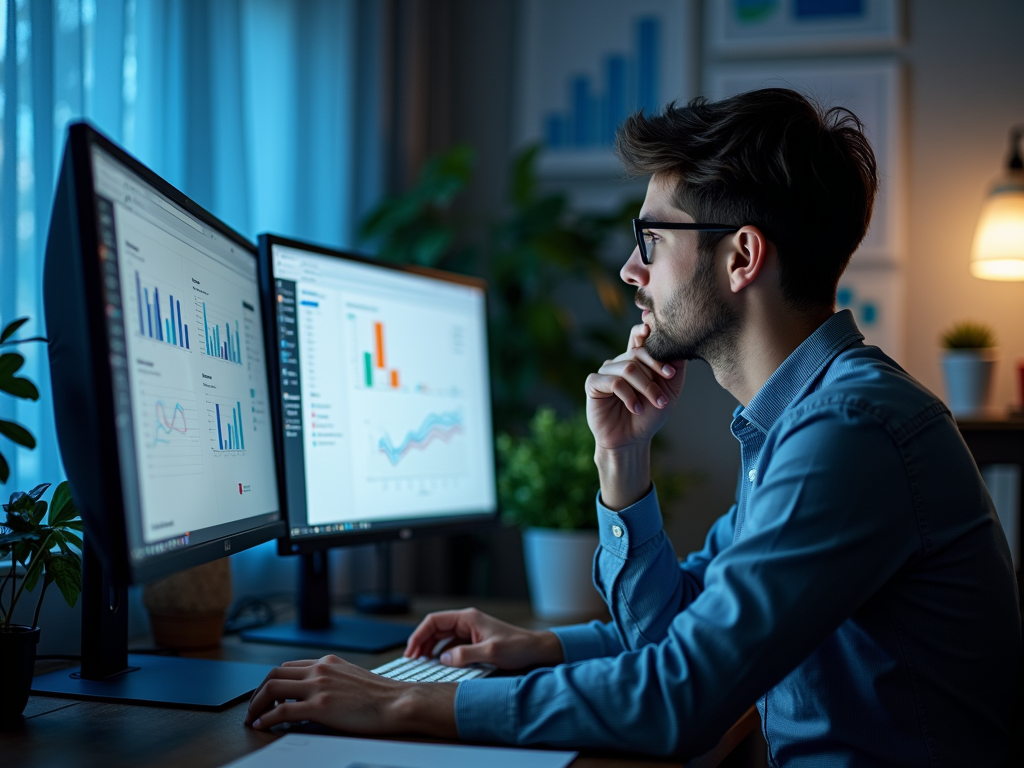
column 342, row 696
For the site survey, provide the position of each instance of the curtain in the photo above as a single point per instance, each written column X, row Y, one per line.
column 254, row 108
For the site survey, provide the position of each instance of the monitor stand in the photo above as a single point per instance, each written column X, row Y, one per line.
column 110, row 673
column 316, row 627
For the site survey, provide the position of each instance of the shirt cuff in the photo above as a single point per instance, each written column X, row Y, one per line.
column 485, row 710
column 630, row 528
column 581, row 642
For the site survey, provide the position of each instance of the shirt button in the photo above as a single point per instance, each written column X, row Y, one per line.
column 617, row 531
column 752, row 475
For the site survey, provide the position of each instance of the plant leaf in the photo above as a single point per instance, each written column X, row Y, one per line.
column 10, row 362
column 32, row 578
column 5, row 470
column 12, row 328
column 20, row 387
column 62, row 506
column 17, row 433
column 66, row 571
column 72, row 538
column 36, row 493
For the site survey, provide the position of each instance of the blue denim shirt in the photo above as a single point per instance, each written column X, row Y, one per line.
column 860, row 591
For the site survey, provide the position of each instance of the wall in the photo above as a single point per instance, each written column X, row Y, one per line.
column 965, row 64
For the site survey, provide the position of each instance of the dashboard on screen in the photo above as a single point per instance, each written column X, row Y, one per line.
column 385, row 394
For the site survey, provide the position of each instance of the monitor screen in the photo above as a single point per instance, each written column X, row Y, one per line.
column 190, row 378
column 385, row 395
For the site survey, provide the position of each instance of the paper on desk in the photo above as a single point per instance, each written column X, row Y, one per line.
column 311, row 751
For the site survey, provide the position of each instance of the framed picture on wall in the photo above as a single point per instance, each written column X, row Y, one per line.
column 875, row 296
column 873, row 90
column 754, row 27
column 586, row 64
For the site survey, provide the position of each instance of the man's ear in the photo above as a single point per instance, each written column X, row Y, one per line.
column 748, row 253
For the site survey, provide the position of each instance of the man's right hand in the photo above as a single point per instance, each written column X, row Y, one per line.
column 628, row 400
column 476, row 637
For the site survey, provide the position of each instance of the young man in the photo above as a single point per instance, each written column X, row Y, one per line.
column 860, row 589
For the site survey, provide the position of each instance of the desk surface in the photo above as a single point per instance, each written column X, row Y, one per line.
column 77, row 734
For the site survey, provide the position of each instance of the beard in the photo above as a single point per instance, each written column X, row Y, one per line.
column 695, row 324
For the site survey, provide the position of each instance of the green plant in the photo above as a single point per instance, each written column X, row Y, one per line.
column 16, row 386
column 968, row 334
column 548, row 478
column 46, row 551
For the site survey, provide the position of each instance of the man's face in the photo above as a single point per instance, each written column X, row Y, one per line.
column 679, row 290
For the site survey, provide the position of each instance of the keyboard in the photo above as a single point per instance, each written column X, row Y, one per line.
column 427, row 670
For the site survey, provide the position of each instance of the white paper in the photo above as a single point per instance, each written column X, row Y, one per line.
column 312, row 751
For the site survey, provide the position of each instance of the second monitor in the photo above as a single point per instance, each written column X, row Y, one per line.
column 383, row 382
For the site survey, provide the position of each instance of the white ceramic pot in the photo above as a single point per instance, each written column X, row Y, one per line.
column 968, row 374
column 559, row 566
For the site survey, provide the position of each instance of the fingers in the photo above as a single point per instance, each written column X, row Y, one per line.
column 275, row 691
column 434, row 628
column 630, row 381
column 286, row 712
column 464, row 655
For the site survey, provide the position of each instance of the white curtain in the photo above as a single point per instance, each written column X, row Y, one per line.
column 254, row 108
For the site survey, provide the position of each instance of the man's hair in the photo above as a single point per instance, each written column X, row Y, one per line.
column 805, row 176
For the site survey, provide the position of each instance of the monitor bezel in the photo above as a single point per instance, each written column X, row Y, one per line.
column 407, row 528
column 114, row 546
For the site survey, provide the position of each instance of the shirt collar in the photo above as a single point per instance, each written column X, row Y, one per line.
column 799, row 371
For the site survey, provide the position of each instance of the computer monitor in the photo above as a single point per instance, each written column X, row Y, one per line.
column 162, row 404
column 382, row 376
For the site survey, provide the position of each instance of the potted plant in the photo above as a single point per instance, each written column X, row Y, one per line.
column 47, row 548
column 547, row 484
column 968, row 362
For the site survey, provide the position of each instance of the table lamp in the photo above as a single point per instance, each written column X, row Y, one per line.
column 998, row 252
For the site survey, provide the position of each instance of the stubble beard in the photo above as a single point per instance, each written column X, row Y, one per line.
column 695, row 324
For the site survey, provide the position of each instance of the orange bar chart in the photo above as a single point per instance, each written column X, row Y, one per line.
column 378, row 329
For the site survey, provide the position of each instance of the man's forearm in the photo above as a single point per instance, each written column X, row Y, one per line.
column 427, row 709
column 625, row 475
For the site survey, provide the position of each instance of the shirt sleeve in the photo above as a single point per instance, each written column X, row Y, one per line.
column 820, row 537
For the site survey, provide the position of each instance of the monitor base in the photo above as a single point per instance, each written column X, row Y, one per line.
column 161, row 680
column 382, row 605
column 343, row 634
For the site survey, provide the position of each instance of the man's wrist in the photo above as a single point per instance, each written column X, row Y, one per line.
column 551, row 651
column 427, row 709
column 625, row 475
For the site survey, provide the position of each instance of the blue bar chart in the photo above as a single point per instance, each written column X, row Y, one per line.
column 221, row 336
column 230, row 434
column 595, row 107
column 160, row 318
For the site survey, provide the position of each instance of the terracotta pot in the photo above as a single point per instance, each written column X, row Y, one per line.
column 186, row 610
column 17, row 663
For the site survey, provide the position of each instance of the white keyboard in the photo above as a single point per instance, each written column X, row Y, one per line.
column 426, row 670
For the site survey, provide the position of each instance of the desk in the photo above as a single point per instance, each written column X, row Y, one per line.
column 64, row 733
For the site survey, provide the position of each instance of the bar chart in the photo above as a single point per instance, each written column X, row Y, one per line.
column 376, row 374
column 221, row 336
column 159, row 318
column 228, row 425
column 595, row 107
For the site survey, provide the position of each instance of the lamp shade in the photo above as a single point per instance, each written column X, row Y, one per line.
column 998, row 252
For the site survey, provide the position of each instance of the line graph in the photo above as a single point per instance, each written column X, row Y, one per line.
column 170, row 427
column 436, row 426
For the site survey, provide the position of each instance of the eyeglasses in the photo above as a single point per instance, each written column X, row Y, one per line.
column 645, row 242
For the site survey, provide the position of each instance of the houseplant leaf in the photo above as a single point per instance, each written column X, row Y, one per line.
column 62, row 506
column 66, row 571
column 12, row 328
column 17, row 433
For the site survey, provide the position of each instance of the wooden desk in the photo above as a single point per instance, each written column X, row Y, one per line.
column 64, row 733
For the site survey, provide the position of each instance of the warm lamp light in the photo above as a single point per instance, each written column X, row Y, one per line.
column 998, row 252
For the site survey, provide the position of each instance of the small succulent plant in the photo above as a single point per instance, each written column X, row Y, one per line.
column 968, row 334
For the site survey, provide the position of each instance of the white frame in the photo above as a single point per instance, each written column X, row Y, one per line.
column 542, row 60
column 881, row 28
column 880, row 80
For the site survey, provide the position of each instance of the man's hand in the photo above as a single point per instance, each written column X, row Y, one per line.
column 628, row 400
column 345, row 697
column 476, row 637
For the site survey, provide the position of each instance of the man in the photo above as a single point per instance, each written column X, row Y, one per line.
column 860, row 589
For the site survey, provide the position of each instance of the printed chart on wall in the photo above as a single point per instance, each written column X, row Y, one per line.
column 575, row 89
column 197, row 375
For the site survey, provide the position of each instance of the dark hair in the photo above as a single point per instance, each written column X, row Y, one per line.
column 805, row 176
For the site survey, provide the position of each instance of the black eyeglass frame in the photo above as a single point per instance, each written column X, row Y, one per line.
column 639, row 225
